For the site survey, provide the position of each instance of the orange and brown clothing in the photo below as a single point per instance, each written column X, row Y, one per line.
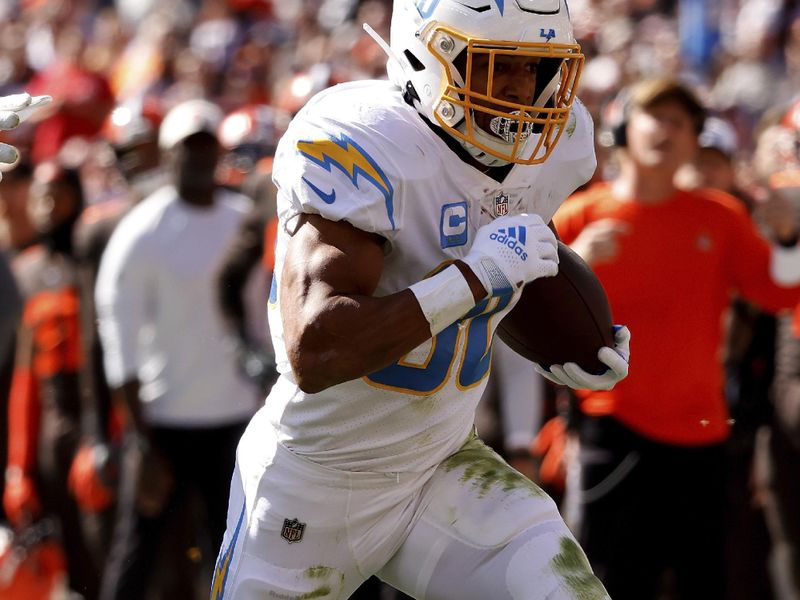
column 45, row 407
column 49, row 353
column 677, row 266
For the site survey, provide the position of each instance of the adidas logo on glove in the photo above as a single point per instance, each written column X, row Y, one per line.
column 513, row 238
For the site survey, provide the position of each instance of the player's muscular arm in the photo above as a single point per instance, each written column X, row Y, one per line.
column 334, row 329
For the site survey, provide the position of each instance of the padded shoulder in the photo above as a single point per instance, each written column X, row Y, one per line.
column 345, row 157
column 573, row 162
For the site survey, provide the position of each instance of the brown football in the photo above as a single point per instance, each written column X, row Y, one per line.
column 566, row 318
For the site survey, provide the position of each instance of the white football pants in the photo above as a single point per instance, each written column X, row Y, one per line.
column 470, row 529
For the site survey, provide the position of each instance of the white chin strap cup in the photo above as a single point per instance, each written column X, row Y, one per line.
column 506, row 128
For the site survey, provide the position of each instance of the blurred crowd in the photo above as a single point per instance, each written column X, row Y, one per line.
column 116, row 69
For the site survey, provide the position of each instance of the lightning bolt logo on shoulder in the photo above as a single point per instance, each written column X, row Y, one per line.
column 352, row 160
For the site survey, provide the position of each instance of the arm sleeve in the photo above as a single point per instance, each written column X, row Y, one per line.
column 121, row 298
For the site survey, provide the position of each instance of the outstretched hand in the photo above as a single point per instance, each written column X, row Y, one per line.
column 14, row 110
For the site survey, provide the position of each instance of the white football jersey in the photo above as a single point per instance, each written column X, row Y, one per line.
column 358, row 152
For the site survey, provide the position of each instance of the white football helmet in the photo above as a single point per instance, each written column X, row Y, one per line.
column 427, row 37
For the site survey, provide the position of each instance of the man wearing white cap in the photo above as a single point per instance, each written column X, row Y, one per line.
column 713, row 166
column 166, row 353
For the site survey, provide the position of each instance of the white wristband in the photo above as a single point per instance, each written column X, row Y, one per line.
column 444, row 298
column 785, row 266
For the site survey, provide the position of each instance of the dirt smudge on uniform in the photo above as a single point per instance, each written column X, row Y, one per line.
column 486, row 470
column 426, row 405
column 321, row 572
column 571, row 565
column 321, row 592
column 452, row 515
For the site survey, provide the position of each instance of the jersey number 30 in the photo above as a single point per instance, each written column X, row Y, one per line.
column 431, row 375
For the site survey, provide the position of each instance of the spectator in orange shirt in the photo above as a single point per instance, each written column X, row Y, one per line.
column 652, row 458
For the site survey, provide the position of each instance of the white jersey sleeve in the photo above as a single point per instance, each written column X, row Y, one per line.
column 344, row 172
column 122, row 296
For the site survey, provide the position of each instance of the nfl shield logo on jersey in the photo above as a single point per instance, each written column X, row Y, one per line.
column 501, row 205
column 292, row 530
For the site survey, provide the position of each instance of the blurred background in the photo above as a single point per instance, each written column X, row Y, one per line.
column 116, row 68
column 742, row 56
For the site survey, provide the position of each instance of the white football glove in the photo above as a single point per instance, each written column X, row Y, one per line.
column 14, row 110
column 511, row 251
column 616, row 359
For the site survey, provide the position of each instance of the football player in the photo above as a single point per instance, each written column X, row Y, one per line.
column 412, row 211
